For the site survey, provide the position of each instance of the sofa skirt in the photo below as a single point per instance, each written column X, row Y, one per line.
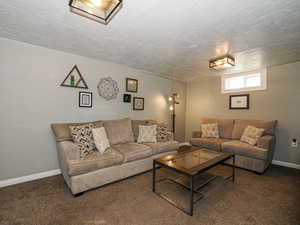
column 98, row 178
column 257, row 165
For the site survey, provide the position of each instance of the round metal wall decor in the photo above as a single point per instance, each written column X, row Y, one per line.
column 108, row 88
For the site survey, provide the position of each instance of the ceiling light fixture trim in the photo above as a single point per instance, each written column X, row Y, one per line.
column 221, row 63
column 98, row 10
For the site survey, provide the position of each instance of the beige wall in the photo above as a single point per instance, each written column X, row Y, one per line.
column 31, row 100
column 281, row 101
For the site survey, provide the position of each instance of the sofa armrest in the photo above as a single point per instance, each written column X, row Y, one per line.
column 68, row 150
column 170, row 136
column 197, row 134
column 266, row 142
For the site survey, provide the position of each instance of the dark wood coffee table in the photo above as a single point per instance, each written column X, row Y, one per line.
column 192, row 163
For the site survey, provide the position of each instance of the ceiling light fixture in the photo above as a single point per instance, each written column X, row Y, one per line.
column 222, row 63
column 99, row 10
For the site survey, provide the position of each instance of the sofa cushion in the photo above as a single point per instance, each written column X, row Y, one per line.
column 136, row 123
column 244, row 149
column 165, row 146
column 196, row 134
column 240, row 125
column 62, row 130
column 94, row 161
column 133, row 151
column 225, row 126
column 119, row 131
column 210, row 143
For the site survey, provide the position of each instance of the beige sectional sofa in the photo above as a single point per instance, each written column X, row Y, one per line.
column 256, row 158
column 123, row 159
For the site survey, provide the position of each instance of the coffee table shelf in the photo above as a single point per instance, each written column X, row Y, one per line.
column 192, row 167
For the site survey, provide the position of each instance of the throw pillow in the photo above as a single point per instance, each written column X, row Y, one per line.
column 83, row 137
column 147, row 134
column 210, row 130
column 100, row 139
column 137, row 123
column 162, row 132
column 251, row 134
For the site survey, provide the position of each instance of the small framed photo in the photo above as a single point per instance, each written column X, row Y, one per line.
column 239, row 101
column 131, row 85
column 126, row 98
column 85, row 99
column 138, row 103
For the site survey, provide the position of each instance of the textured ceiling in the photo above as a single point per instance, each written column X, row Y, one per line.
column 166, row 37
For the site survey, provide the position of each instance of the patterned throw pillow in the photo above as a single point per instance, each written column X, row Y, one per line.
column 162, row 132
column 147, row 134
column 100, row 139
column 251, row 135
column 137, row 123
column 210, row 130
column 83, row 137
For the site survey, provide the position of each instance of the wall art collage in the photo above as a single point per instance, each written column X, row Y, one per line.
column 107, row 89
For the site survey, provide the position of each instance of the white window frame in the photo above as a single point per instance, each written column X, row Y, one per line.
column 263, row 73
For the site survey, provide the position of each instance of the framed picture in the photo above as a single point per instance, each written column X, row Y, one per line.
column 239, row 101
column 85, row 99
column 131, row 85
column 126, row 98
column 138, row 103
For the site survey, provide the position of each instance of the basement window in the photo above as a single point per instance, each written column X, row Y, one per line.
column 250, row 81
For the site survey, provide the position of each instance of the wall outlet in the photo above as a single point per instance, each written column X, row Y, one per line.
column 294, row 143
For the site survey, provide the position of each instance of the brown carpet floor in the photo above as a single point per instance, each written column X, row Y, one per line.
column 269, row 199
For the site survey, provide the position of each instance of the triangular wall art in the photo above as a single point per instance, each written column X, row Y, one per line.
column 74, row 79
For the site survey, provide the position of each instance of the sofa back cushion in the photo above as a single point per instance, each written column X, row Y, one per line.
column 119, row 131
column 225, row 126
column 62, row 130
column 269, row 127
column 137, row 123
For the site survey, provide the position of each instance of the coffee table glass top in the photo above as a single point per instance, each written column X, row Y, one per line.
column 195, row 158
column 194, row 161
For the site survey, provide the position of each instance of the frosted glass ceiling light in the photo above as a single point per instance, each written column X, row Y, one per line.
column 222, row 63
column 99, row 10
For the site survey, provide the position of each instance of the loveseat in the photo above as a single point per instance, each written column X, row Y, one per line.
column 123, row 159
column 256, row 158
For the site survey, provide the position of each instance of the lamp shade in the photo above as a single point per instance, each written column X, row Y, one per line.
column 98, row 10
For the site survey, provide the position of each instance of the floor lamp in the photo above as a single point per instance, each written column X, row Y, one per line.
column 173, row 101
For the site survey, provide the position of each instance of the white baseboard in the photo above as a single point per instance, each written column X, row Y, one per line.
column 36, row 176
column 286, row 164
